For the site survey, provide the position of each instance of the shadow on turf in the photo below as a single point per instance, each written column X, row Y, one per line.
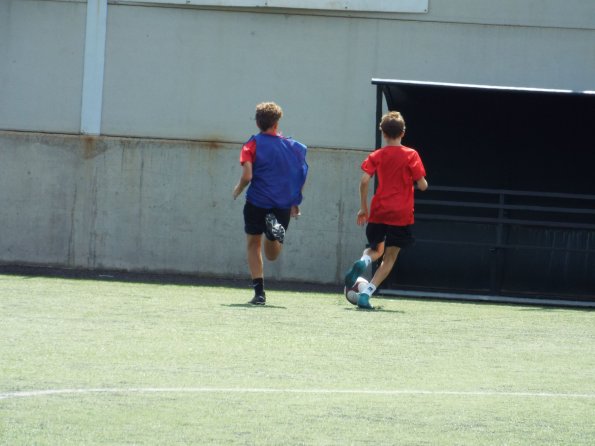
column 248, row 305
column 377, row 309
column 557, row 308
column 28, row 271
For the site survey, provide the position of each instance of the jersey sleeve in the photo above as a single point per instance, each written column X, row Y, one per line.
column 417, row 167
column 370, row 163
column 248, row 152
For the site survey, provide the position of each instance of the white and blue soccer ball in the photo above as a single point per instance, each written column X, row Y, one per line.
column 352, row 292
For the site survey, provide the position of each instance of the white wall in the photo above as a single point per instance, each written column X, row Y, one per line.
column 41, row 62
column 190, row 77
column 198, row 73
column 190, row 72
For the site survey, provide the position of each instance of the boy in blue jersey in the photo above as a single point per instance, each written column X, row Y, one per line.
column 275, row 168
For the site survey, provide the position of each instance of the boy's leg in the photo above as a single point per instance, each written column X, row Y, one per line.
column 388, row 261
column 276, row 224
column 254, row 226
column 397, row 237
column 390, row 257
column 272, row 249
column 376, row 252
column 375, row 234
column 359, row 266
column 253, row 248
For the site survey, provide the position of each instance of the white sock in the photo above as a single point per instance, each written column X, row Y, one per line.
column 369, row 290
column 367, row 259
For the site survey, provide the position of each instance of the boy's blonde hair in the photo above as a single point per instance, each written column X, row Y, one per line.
column 267, row 115
column 392, row 124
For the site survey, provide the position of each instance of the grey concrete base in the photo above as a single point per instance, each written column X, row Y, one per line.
column 163, row 206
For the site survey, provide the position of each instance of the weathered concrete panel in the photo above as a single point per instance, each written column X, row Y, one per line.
column 162, row 206
column 196, row 74
column 41, row 65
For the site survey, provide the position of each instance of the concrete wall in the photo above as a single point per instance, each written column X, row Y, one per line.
column 180, row 84
column 158, row 205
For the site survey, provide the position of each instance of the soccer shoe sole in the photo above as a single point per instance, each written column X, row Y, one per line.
column 274, row 229
column 258, row 300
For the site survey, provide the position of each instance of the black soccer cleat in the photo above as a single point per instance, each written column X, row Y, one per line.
column 274, row 229
column 258, row 300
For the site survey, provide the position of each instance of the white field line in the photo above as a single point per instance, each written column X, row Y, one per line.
column 487, row 393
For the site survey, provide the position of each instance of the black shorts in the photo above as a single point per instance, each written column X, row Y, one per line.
column 254, row 218
column 399, row 236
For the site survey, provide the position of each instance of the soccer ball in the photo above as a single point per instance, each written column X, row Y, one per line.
column 351, row 293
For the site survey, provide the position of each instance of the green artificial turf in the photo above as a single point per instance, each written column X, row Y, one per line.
column 140, row 363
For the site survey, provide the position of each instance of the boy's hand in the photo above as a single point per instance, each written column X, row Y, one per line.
column 237, row 191
column 362, row 217
column 295, row 211
column 244, row 179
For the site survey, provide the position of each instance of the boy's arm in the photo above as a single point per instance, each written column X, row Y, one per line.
column 295, row 209
column 244, row 179
column 362, row 214
column 422, row 184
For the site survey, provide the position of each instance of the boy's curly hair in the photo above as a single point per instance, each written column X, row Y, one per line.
column 392, row 124
column 267, row 115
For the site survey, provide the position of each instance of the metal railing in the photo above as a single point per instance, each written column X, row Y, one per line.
column 505, row 209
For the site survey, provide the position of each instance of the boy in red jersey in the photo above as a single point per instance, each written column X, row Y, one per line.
column 390, row 216
column 276, row 169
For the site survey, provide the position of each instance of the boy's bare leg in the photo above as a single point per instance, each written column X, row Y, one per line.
column 388, row 261
column 369, row 255
column 272, row 249
column 375, row 254
column 253, row 248
column 390, row 257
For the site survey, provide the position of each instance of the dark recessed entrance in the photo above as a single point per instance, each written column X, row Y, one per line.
column 511, row 206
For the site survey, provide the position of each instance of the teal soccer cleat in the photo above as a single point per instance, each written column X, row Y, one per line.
column 363, row 301
column 356, row 270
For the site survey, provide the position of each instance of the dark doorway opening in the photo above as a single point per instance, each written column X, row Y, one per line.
column 511, row 205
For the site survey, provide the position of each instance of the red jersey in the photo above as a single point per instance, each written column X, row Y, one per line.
column 397, row 168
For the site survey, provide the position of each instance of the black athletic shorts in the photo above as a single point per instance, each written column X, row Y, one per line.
column 254, row 218
column 400, row 236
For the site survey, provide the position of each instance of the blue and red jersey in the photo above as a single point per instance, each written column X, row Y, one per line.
column 279, row 170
